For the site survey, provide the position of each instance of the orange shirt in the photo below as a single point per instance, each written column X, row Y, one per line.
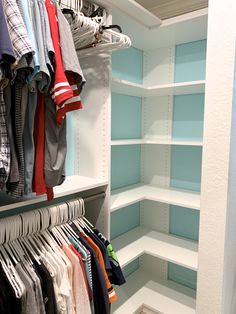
column 111, row 292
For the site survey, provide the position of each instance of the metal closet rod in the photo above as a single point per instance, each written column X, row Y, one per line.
column 94, row 197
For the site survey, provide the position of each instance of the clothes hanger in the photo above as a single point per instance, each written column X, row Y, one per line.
column 11, row 273
column 28, row 247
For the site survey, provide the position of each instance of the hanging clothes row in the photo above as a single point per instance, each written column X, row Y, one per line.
column 40, row 81
column 68, row 268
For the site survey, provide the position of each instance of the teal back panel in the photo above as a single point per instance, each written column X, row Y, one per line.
column 184, row 222
column 188, row 117
column 182, row 275
column 131, row 267
column 190, row 61
column 125, row 219
column 126, row 113
column 186, row 161
column 127, row 64
column 70, row 156
column 186, row 167
column 125, row 166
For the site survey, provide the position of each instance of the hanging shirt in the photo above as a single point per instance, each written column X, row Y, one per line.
column 14, row 169
column 47, row 288
column 61, row 90
column 17, row 30
column 116, row 275
column 4, row 144
column 47, row 38
column 39, row 185
column 30, row 306
column 111, row 292
column 7, row 55
column 26, row 13
column 79, row 286
column 100, row 295
column 55, row 146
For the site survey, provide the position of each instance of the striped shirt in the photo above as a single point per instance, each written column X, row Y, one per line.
column 4, row 144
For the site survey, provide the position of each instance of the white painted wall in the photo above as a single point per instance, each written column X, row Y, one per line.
column 217, row 246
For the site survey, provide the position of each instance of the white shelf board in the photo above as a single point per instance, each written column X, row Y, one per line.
column 136, row 193
column 128, row 88
column 181, row 29
column 72, row 185
column 133, row 10
column 155, row 142
column 140, row 240
column 159, row 296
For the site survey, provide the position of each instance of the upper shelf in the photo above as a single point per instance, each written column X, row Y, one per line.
column 133, row 89
column 72, row 185
column 133, row 10
column 184, row 28
column 156, row 141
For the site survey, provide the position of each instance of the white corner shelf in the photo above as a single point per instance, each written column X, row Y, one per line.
column 72, row 185
column 137, row 193
column 128, row 88
column 153, row 141
column 160, row 296
column 140, row 240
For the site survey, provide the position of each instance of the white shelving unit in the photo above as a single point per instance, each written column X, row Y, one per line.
column 140, row 240
column 142, row 291
column 128, row 88
column 136, row 193
column 155, row 142
column 152, row 242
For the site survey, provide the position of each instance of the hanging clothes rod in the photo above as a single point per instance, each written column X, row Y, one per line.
column 38, row 220
column 94, row 197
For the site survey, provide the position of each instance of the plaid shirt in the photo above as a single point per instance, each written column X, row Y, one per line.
column 4, row 144
column 17, row 30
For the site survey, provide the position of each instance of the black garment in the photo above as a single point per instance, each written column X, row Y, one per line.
column 9, row 303
column 47, row 288
column 101, row 246
column 115, row 275
column 100, row 295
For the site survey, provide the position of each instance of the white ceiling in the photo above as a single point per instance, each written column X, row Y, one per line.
column 169, row 8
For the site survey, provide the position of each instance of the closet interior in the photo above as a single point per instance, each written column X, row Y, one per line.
column 139, row 141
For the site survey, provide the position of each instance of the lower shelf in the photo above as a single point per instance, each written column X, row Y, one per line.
column 165, row 297
column 137, row 193
column 140, row 240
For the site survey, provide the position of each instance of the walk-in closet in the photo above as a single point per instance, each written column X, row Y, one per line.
column 117, row 157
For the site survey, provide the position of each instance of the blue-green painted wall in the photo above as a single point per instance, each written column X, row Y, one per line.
column 188, row 114
column 186, row 162
column 126, row 124
column 125, row 166
column 184, row 222
column 190, row 61
column 131, row 267
column 182, row 275
column 125, row 219
column 127, row 64
column 126, row 117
